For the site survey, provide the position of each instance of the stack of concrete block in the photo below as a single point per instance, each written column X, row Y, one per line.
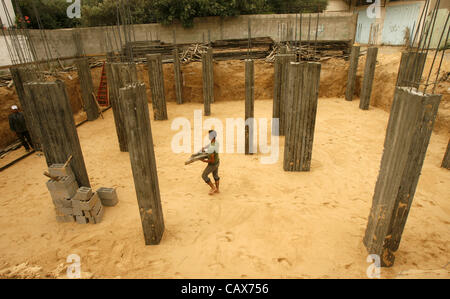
column 62, row 189
column 108, row 196
column 73, row 203
column 87, row 207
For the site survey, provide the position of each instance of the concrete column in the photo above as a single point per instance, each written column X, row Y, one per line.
column 54, row 116
column 281, row 73
column 143, row 163
column 446, row 160
column 369, row 74
column 208, row 80
column 20, row 76
column 178, row 76
column 249, row 106
column 304, row 79
column 351, row 80
column 87, row 89
column 119, row 74
column 411, row 68
column 156, row 77
column 408, row 133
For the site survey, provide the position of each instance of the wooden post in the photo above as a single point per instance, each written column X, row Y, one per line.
column 87, row 88
column 178, row 76
column 411, row 68
column 408, row 133
column 446, row 160
column 369, row 74
column 276, row 87
column 156, row 77
column 110, row 57
column 249, row 106
column 54, row 116
column 21, row 76
column 304, row 80
column 281, row 75
column 119, row 75
column 351, row 80
column 143, row 163
column 208, row 80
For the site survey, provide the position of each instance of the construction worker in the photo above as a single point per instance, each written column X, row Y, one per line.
column 213, row 163
column 18, row 125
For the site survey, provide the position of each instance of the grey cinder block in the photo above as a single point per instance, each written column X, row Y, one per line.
column 58, row 170
column 81, row 220
column 83, row 193
column 61, row 202
column 94, row 211
column 77, row 211
column 98, row 218
column 108, row 196
column 86, row 205
column 66, row 187
column 64, row 211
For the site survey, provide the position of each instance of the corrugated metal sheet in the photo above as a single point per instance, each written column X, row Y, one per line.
column 363, row 27
column 397, row 19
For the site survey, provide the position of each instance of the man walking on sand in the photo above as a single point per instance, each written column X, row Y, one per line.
column 213, row 163
column 17, row 124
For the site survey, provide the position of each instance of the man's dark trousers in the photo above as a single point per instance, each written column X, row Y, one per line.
column 25, row 139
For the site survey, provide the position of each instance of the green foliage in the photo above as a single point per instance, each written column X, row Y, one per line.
column 104, row 12
column 53, row 14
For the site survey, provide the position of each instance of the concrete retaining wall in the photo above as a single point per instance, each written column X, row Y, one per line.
column 332, row 26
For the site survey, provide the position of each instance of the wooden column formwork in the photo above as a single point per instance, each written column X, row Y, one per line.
column 143, row 163
column 281, row 74
column 156, row 77
column 208, row 80
column 21, row 76
column 411, row 68
column 351, row 79
column 249, row 106
column 178, row 76
column 87, row 89
column 54, row 116
column 408, row 133
column 304, row 80
column 369, row 74
column 446, row 160
column 110, row 57
column 119, row 75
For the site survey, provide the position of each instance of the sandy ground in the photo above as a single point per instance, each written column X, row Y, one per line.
column 265, row 223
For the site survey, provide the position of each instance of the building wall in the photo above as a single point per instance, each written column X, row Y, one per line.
column 10, row 9
column 438, row 28
column 332, row 26
column 398, row 19
column 392, row 21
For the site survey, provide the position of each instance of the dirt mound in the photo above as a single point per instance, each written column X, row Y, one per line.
column 8, row 97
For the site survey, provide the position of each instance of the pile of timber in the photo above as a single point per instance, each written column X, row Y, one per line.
column 6, row 80
column 233, row 49
column 257, row 42
column 313, row 51
column 141, row 48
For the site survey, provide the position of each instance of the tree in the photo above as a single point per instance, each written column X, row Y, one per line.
column 104, row 12
column 52, row 14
